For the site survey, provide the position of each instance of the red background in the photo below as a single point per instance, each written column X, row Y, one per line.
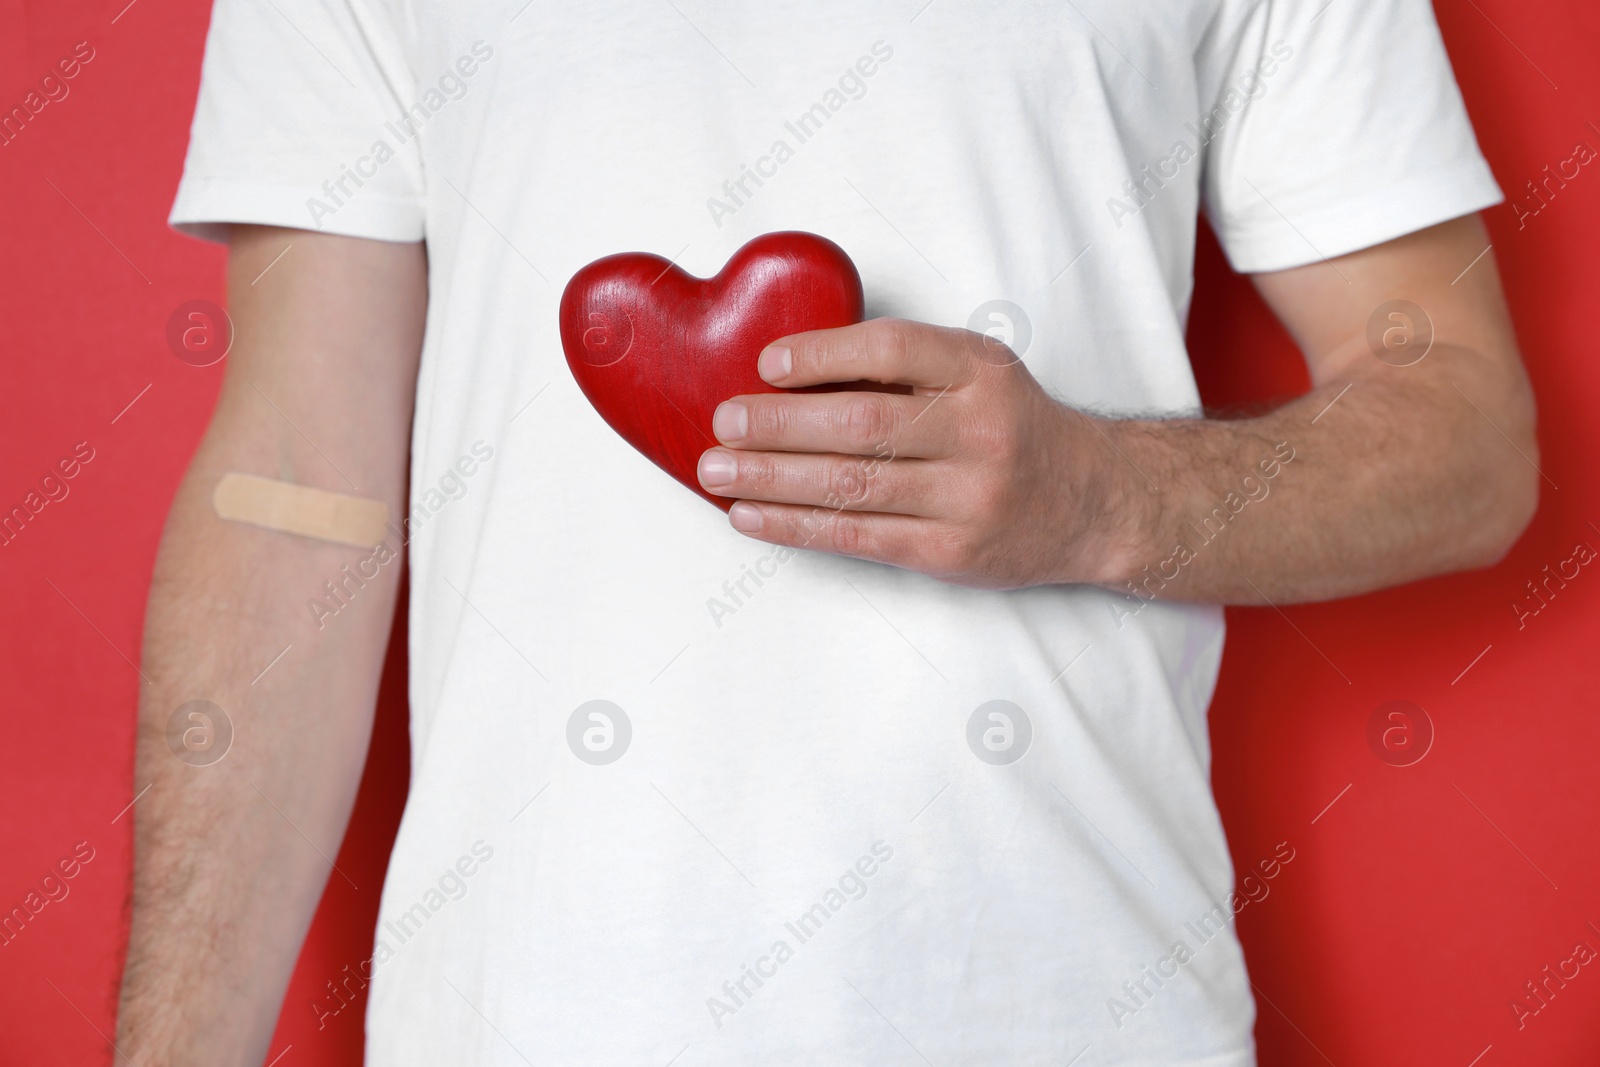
column 1418, row 903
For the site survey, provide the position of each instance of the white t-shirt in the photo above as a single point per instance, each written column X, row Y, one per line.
column 809, row 835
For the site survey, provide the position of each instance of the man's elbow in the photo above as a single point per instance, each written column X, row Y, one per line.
column 1508, row 491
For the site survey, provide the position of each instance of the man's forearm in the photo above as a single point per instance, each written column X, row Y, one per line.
column 233, row 855
column 234, row 841
column 1381, row 475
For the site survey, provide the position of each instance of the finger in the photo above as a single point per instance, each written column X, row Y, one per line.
column 894, row 539
column 878, row 350
column 852, row 424
column 903, row 487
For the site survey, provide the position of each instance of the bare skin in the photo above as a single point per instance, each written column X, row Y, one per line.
column 318, row 390
column 980, row 478
column 975, row 477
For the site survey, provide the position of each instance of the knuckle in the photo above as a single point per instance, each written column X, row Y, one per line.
column 946, row 551
column 756, row 472
column 890, row 340
column 800, row 527
column 983, row 505
column 867, row 419
column 992, row 438
column 817, row 357
column 849, row 535
column 850, row 483
column 767, row 419
column 989, row 497
column 987, row 353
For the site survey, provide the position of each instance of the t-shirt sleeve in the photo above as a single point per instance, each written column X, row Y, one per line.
column 1335, row 125
column 300, row 123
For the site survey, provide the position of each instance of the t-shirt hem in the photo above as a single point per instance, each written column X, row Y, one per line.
column 205, row 207
column 1295, row 239
column 1240, row 1057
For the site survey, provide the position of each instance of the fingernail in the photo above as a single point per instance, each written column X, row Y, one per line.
column 775, row 363
column 731, row 421
column 716, row 469
column 746, row 518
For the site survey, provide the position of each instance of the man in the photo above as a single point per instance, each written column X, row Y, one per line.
column 908, row 759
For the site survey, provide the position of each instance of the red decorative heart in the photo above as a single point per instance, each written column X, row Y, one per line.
column 656, row 350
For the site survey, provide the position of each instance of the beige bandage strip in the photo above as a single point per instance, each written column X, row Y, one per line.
column 300, row 509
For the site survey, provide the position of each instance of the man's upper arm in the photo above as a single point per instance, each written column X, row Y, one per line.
column 1417, row 329
column 321, row 378
column 1445, row 271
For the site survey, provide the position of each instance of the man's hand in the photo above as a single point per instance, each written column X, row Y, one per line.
column 1389, row 470
column 976, row 477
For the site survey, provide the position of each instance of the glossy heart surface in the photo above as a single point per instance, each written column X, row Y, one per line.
column 656, row 349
